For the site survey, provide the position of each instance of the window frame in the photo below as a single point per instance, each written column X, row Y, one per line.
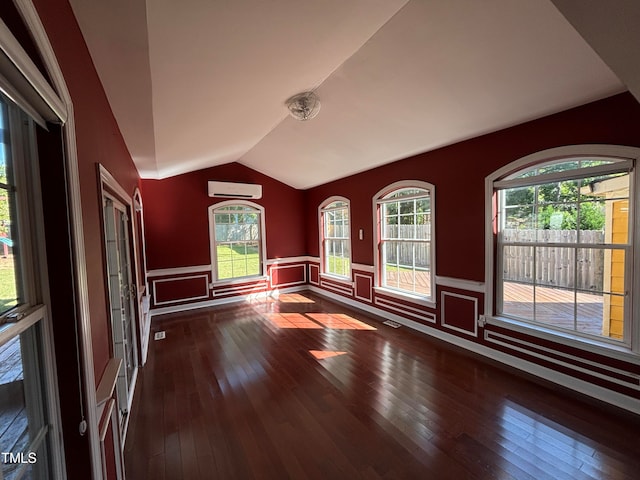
column 29, row 319
column 629, row 347
column 213, row 244
column 323, row 208
column 380, row 198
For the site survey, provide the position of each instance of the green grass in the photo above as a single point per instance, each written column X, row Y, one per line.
column 234, row 262
column 338, row 265
column 8, row 293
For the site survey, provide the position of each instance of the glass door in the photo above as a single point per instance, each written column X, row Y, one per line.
column 122, row 297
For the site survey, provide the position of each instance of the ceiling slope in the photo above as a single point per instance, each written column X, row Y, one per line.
column 199, row 83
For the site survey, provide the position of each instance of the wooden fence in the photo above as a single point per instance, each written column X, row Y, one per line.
column 568, row 267
column 408, row 253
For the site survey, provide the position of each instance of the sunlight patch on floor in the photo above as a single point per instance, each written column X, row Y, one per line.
column 339, row 321
column 291, row 320
column 322, row 354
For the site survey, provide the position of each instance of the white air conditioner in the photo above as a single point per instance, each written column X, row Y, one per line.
column 234, row 190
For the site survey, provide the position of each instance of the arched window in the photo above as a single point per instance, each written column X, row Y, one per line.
column 237, row 240
column 405, row 239
column 562, row 226
column 335, row 232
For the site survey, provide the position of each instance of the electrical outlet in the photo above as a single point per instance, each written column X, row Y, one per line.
column 160, row 335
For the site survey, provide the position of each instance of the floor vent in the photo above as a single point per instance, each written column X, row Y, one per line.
column 391, row 324
column 160, row 335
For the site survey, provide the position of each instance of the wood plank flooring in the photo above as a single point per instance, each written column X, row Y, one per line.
column 305, row 388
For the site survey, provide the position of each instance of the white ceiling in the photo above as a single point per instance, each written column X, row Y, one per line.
column 198, row 83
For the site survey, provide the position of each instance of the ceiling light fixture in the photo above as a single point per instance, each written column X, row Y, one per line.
column 304, row 106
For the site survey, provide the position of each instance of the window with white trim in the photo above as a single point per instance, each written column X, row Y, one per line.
column 564, row 256
column 237, row 240
column 336, row 237
column 405, row 234
column 28, row 427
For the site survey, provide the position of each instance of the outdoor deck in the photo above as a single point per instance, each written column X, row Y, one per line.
column 554, row 306
column 13, row 416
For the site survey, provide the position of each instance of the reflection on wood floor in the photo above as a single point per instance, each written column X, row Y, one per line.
column 305, row 388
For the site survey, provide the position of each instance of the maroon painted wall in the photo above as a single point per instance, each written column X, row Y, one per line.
column 98, row 141
column 177, row 223
column 458, row 173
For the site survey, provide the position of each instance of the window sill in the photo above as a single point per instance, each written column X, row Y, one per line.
column 235, row 281
column 337, row 278
column 418, row 299
column 592, row 345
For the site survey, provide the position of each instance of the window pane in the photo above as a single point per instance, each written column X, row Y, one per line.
column 337, row 257
column 407, row 266
column 517, row 299
column 406, row 192
column 336, row 239
column 520, row 218
column 517, row 264
column 555, row 267
column 21, row 415
column 580, row 287
column 558, row 167
column 590, row 268
column 238, row 259
column 558, row 192
column 10, row 281
column 589, row 314
column 237, row 239
column 613, row 185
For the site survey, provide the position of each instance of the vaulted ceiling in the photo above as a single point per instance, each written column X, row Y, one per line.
column 199, row 83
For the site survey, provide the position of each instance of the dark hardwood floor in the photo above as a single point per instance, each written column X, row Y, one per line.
column 306, row 388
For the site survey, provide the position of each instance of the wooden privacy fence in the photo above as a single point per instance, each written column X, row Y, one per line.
column 408, row 253
column 568, row 267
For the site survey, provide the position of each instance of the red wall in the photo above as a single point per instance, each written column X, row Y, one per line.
column 177, row 223
column 98, row 141
column 458, row 173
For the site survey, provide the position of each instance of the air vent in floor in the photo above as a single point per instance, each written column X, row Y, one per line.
column 391, row 324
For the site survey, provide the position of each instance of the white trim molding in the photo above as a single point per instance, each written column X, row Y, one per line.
column 173, row 271
column 405, row 310
column 361, row 267
column 461, row 284
column 377, row 200
column 322, row 209
column 34, row 24
column 355, row 287
column 443, row 318
column 312, row 265
column 290, row 284
column 178, row 279
column 278, row 261
column 337, row 285
column 615, row 152
column 212, row 235
column 568, row 362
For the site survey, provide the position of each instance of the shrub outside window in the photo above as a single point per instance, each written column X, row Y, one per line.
column 336, row 238
column 564, row 246
column 405, row 239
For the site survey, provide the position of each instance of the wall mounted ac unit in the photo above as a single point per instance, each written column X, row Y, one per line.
column 234, row 190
